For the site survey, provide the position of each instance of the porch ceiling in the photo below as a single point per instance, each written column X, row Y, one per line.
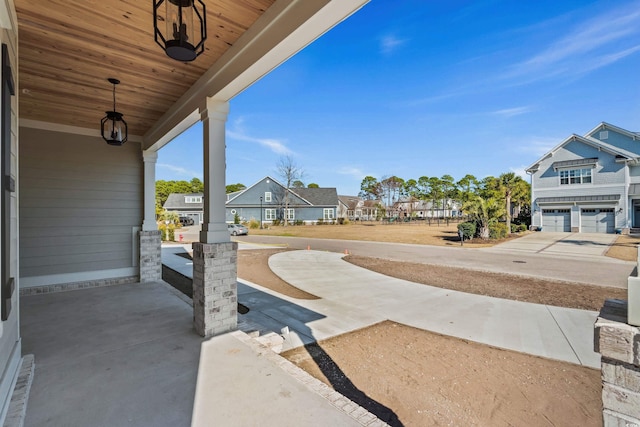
column 68, row 49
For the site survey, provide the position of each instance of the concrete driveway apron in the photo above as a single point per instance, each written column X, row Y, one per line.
column 572, row 245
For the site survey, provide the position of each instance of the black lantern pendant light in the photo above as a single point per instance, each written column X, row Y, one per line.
column 183, row 22
column 114, row 128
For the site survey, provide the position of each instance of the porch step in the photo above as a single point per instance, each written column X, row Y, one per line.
column 635, row 230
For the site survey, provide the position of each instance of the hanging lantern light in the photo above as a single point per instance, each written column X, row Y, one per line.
column 183, row 22
column 114, row 128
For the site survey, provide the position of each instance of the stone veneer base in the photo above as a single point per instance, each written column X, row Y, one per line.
column 64, row 287
column 215, row 292
column 619, row 344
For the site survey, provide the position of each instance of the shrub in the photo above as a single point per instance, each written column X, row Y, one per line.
column 236, row 218
column 468, row 229
column 254, row 223
column 522, row 227
column 498, row 230
column 276, row 222
column 320, row 221
column 298, row 222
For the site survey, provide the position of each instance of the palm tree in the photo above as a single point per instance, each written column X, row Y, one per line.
column 510, row 184
column 485, row 212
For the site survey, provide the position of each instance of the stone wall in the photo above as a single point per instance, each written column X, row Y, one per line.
column 619, row 344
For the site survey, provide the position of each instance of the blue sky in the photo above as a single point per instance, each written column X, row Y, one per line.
column 425, row 88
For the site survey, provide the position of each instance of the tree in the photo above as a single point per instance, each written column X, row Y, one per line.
column 290, row 172
column 390, row 188
column 197, row 186
column 435, row 192
column 449, row 191
column 370, row 188
column 484, row 212
column 467, row 187
column 313, row 185
column 232, row 188
column 508, row 184
column 297, row 184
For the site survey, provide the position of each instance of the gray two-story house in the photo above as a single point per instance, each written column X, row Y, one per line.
column 589, row 183
column 265, row 201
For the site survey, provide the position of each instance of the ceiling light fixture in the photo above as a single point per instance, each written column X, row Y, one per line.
column 181, row 18
column 114, row 128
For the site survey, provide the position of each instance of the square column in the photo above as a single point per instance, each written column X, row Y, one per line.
column 150, row 239
column 215, row 294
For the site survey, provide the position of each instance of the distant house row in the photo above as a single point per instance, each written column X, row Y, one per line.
column 264, row 201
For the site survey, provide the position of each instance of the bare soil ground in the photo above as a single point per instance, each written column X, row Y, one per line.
column 625, row 248
column 415, row 378
column 410, row 377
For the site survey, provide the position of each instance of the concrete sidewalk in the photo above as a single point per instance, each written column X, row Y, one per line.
column 352, row 296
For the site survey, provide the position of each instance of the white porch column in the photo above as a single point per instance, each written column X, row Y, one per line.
column 150, row 239
column 214, row 117
column 215, row 295
column 150, row 158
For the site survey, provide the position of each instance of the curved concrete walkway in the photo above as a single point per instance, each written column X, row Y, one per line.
column 353, row 297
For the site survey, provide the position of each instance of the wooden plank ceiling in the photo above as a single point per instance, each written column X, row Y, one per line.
column 68, row 49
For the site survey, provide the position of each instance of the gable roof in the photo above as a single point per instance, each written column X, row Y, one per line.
column 177, row 201
column 318, row 196
column 593, row 142
column 351, row 202
column 605, row 126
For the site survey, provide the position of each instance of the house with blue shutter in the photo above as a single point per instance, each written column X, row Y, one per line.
column 588, row 184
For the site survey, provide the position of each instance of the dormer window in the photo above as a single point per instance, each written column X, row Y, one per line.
column 193, row 199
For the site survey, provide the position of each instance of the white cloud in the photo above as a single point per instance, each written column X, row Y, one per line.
column 511, row 112
column 389, row 43
column 180, row 170
column 276, row 145
column 351, row 171
column 520, row 170
column 537, row 146
column 580, row 50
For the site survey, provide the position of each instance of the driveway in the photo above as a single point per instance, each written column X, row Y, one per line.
column 573, row 245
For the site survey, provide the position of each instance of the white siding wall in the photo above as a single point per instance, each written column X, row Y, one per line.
column 10, row 348
column 80, row 199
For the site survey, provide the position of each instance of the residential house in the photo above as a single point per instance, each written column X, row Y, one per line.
column 79, row 213
column 265, row 201
column 421, row 209
column 589, row 183
column 190, row 205
column 354, row 208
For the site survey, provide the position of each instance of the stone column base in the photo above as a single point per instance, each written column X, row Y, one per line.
column 150, row 256
column 215, row 293
column 619, row 344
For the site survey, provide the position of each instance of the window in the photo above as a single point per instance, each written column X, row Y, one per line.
column 267, row 196
column 291, row 214
column 327, row 213
column 269, row 214
column 575, row 176
column 193, row 199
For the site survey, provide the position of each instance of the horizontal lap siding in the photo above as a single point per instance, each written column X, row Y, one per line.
column 79, row 201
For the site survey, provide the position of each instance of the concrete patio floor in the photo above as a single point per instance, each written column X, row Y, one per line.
column 127, row 355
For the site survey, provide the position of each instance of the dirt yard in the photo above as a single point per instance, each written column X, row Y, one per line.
column 415, row 378
column 419, row 232
column 625, row 248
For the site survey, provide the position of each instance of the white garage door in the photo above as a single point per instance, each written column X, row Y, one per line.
column 597, row 220
column 556, row 220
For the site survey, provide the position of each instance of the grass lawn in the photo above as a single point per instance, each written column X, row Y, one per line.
column 625, row 248
column 419, row 232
